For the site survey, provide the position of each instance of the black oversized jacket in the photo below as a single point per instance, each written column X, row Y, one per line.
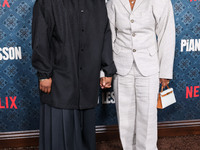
column 71, row 43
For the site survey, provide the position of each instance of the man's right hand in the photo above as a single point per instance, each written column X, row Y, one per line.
column 45, row 85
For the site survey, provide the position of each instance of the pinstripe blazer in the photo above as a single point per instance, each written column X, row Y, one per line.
column 145, row 34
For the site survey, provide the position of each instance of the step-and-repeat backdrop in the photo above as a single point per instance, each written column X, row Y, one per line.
column 19, row 99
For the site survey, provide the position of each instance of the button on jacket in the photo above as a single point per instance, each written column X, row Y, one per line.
column 72, row 43
column 146, row 34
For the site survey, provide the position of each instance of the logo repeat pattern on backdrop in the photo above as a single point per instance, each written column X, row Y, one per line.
column 17, row 77
column 18, row 81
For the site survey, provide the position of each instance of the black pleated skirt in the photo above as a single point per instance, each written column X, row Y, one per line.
column 67, row 129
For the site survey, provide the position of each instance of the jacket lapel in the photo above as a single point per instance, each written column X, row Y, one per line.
column 126, row 4
column 137, row 4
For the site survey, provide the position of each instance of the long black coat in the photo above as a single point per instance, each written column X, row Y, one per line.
column 71, row 43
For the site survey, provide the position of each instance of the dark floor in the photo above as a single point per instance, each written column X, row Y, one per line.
column 166, row 143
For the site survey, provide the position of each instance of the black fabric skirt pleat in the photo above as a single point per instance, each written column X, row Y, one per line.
column 67, row 129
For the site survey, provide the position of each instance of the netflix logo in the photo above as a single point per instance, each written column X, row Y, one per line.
column 4, row 3
column 192, row 91
column 8, row 103
column 188, row 45
column 108, row 98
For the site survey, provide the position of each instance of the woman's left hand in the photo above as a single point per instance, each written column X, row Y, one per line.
column 164, row 82
column 105, row 82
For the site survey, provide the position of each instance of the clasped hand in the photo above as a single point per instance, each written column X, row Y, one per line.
column 105, row 82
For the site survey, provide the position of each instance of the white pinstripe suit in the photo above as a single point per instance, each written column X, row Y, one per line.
column 143, row 51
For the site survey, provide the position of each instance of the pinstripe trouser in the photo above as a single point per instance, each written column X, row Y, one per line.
column 136, row 100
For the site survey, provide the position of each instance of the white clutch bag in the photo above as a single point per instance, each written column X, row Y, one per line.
column 166, row 98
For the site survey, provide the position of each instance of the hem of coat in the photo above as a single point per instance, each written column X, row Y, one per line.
column 70, row 106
